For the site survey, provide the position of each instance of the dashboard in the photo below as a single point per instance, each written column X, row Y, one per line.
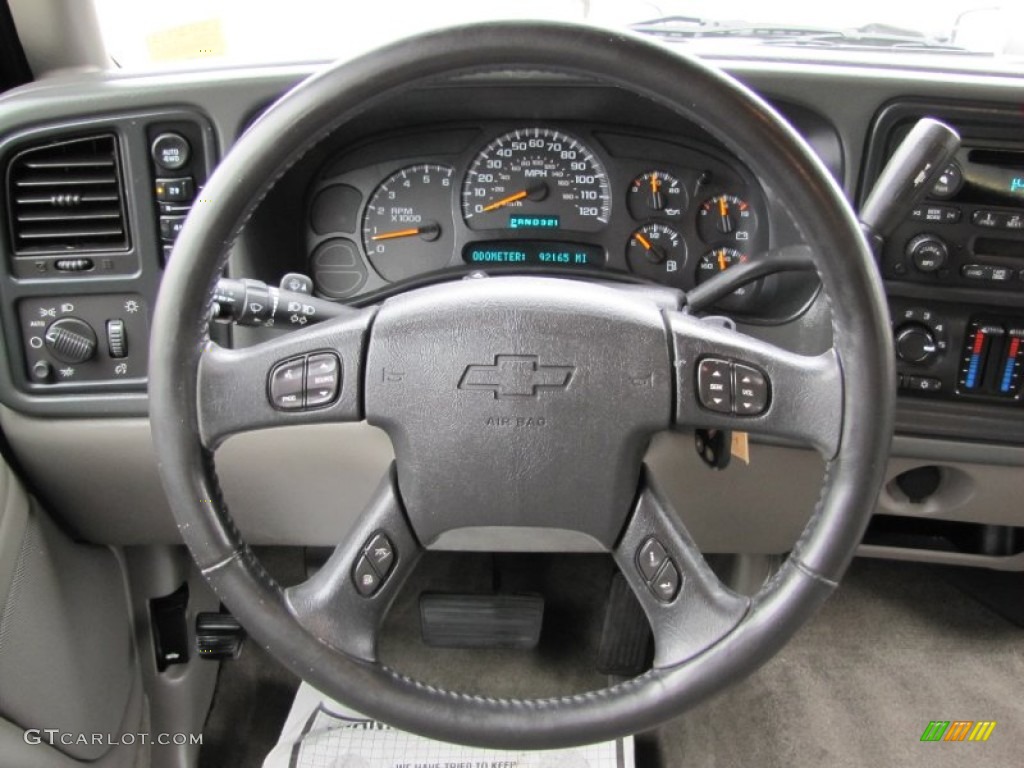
column 574, row 198
column 501, row 173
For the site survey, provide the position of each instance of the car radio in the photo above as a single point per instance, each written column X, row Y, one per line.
column 969, row 231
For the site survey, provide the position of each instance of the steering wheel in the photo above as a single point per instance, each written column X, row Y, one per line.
column 520, row 408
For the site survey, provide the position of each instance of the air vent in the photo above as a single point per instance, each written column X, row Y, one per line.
column 67, row 196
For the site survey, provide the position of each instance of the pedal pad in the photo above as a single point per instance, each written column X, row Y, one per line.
column 625, row 648
column 218, row 636
column 481, row 621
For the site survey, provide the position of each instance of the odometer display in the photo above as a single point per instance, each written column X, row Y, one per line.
column 536, row 175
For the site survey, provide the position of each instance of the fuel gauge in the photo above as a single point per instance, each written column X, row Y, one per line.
column 656, row 194
column 657, row 251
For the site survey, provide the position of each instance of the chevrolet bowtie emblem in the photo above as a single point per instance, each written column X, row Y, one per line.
column 516, row 376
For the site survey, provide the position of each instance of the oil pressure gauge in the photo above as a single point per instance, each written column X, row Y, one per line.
column 656, row 194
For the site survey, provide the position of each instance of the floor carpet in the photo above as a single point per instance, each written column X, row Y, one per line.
column 896, row 647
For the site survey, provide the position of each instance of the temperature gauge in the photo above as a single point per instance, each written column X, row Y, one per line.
column 656, row 194
column 719, row 260
column 658, row 252
column 726, row 218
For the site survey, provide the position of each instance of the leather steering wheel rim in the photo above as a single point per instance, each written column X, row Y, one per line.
column 731, row 113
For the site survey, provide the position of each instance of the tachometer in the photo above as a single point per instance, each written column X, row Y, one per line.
column 536, row 179
column 407, row 227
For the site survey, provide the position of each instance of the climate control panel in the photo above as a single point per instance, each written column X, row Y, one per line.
column 76, row 340
column 992, row 357
column 959, row 352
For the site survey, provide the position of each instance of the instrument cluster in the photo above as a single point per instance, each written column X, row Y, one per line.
column 568, row 198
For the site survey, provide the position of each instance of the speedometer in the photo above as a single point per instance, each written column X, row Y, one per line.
column 536, row 179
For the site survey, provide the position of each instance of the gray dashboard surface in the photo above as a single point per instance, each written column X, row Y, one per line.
column 98, row 469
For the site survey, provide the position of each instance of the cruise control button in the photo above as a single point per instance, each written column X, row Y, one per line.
column 650, row 558
column 286, row 384
column 751, row 391
column 666, row 584
column 323, row 379
column 365, row 577
column 381, row 554
column 714, row 385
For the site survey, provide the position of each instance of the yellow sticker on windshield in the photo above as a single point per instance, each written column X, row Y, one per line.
column 199, row 40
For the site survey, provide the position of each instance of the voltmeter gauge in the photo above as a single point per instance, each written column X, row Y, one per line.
column 656, row 194
column 726, row 219
column 657, row 251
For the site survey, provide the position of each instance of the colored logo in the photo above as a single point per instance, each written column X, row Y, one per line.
column 516, row 376
column 958, row 730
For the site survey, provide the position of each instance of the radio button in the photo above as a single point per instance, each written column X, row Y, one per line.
column 989, row 219
column 976, row 271
column 949, row 182
column 1001, row 274
column 936, row 214
column 1014, row 221
column 928, row 252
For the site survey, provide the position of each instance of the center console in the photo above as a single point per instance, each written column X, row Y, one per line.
column 954, row 272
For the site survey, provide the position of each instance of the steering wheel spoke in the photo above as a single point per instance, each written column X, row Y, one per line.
column 303, row 377
column 344, row 602
column 689, row 608
column 728, row 380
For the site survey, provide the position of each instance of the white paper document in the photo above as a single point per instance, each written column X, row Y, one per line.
column 321, row 733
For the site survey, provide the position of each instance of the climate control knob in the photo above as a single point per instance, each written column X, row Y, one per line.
column 928, row 252
column 915, row 343
column 70, row 340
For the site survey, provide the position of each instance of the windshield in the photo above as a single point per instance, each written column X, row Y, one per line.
column 150, row 34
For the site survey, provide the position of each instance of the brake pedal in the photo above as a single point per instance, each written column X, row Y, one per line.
column 481, row 621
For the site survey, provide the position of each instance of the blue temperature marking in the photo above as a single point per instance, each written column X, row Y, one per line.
column 972, row 371
column 1007, row 375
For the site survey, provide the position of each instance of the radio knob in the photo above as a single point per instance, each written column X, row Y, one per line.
column 70, row 340
column 915, row 343
column 928, row 252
